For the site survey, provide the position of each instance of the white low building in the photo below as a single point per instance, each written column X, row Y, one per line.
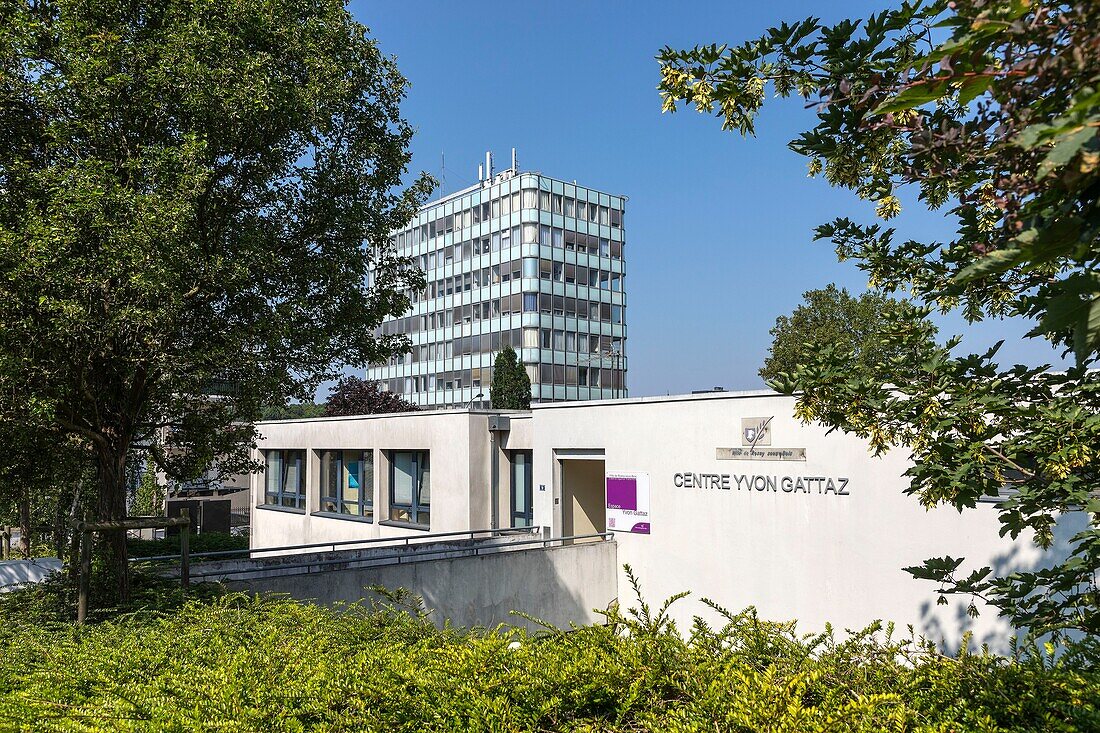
column 726, row 495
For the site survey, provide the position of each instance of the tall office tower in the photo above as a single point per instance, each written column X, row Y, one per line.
column 520, row 260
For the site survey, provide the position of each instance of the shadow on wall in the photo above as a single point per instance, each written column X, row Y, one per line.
column 559, row 585
column 998, row 633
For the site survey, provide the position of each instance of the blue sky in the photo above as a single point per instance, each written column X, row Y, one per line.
column 718, row 227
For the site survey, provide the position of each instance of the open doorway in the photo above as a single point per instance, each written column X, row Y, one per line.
column 582, row 496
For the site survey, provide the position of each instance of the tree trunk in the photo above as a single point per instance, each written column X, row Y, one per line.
column 111, row 476
column 25, row 521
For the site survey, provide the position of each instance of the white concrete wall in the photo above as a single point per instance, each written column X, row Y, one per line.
column 812, row 557
column 459, row 474
column 560, row 585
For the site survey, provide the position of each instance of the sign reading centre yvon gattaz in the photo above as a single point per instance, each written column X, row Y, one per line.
column 628, row 502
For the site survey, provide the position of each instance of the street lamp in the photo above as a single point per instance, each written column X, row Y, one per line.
column 478, row 396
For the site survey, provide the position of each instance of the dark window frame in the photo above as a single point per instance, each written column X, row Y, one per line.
column 281, row 495
column 528, row 490
column 419, row 513
column 365, row 502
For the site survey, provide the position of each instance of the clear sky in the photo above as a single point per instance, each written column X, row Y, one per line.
column 718, row 227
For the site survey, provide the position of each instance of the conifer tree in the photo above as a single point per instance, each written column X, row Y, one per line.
column 511, row 388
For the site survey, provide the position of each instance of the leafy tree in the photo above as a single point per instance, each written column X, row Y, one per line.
column 149, row 500
column 186, row 193
column 997, row 125
column 832, row 317
column 292, row 411
column 40, row 486
column 511, row 389
column 355, row 396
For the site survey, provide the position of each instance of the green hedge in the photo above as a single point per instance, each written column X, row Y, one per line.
column 205, row 542
column 240, row 663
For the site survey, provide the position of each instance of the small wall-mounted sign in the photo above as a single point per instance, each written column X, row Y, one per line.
column 758, row 453
column 756, row 431
column 627, row 495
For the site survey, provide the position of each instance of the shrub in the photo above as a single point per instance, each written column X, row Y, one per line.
column 241, row 663
column 205, row 542
column 53, row 601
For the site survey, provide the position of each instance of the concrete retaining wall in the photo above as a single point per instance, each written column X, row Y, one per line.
column 560, row 585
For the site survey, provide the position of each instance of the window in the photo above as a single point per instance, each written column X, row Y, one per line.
column 347, row 482
column 410, row 487
column 522, row 515
column 284, row 478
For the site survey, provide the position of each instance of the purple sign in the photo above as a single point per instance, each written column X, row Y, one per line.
column 627, row 494
column 622, row 493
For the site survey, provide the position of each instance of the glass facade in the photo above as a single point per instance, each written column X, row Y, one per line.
column 521, row 260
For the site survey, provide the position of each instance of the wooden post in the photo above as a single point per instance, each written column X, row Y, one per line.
column 185, row 542
column 74, row 555
column 5, row 543
column 85, row 575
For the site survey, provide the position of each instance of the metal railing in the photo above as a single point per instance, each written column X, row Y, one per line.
column 401, row 541
column 402, row 558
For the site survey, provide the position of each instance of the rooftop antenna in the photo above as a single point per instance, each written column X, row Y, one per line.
column 480, row 173
column 442, row 172
column 515, row 169
column 488, row 165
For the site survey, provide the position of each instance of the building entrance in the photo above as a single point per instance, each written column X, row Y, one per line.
column 582, row 496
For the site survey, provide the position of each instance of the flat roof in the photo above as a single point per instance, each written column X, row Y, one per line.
column 493, row 182
column 739, row 395
column 519, row 414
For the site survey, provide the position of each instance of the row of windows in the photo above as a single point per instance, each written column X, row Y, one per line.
column 506, row 205
column 527, row 338
column 529, row 267
column 581, row 376
column 565, row 239
column 477, row 377
column 347, row 483
column 545, row 303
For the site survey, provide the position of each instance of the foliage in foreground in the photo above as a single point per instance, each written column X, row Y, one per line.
column 273, row 664
column 52, row 602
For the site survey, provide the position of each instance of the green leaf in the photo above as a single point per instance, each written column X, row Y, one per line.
column 913, row 96
column 1065, row 150
column 1086, row 333
column 973, row 87
column 994, row 262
